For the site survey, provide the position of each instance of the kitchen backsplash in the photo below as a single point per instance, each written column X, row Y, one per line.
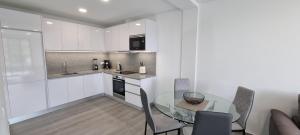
column 82, row 61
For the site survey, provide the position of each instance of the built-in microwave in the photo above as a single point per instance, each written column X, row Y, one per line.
column 137, row 43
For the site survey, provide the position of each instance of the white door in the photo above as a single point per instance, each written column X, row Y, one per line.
column 20, row 20
column 52, row 34
column 124, row 37
column 97, row 39
column 69, row 36
column 84, row 40
column 27, row 98
column 108, row 84
column 58, row 91
column 75, row 88
column 93, row 85
column 108, row 39
column 137, row 27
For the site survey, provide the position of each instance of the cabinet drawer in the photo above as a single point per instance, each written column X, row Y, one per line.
column 132, row 88
column 132, row 81
column 133, row 99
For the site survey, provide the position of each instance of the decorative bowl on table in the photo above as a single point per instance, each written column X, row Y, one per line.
column 193, row 97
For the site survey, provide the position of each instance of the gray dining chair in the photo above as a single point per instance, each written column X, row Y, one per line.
column 212, row 123
column 181, row 84
column 158, row 123
column 243, row 102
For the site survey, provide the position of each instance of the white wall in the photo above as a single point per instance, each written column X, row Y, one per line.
column 253, row 43
column 168, row 56
column 188, row 51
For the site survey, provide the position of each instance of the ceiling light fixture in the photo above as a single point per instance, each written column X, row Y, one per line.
column 138, row 24
column 105, row 0
column 82, row 10
column 48, row 22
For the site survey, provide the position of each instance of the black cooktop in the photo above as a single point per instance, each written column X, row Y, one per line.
column 126, row 72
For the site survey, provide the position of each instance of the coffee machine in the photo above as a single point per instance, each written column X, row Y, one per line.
column 106, row 64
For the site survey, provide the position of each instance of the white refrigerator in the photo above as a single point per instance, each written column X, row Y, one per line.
column 25, row 71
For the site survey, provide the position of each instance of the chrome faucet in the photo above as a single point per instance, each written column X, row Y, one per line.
column 65, row 67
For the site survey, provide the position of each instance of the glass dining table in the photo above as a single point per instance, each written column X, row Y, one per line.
column 173, row 105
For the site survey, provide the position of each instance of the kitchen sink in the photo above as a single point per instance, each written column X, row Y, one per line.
column 74, row 73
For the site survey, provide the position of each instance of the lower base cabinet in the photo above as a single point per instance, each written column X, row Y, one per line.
column 133, row 99
column 27, row 98
column 65, row 90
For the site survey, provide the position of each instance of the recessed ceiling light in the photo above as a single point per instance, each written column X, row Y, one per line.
column 28, row 33
column 108, row 31
column 105, row 0
column 138, row 24
column 5, row 26
column 48, row 22
column 82, row 10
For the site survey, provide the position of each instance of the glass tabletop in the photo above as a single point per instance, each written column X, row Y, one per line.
column 173, row 105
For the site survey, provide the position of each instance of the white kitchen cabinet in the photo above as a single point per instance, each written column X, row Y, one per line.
column 133, row 99
column 108, row 84
column 69, row 36
column 137, row 27
column 93, row 85
column 108, row 37
column 52, row 34
column 58, row 92
column 20, row 20
column 84, row 34
column 97, row 39
column 27, row 98
column 123, row 37
column 90, row 38
column 112, row 39
column 75, row 88
column 133, row 86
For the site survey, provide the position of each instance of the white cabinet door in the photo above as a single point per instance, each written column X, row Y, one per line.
column 58, row 92
column 97, row 39
column 20, row 20
column 84, row 40
column 52, row 34
column 108, row 39
column 93, row 85
column 75, row 88
column 27, row 98
column 69, row 36
column 137, row 27
column 108, row 84
column 124, row 37
column 115, row 43
column 133, row 99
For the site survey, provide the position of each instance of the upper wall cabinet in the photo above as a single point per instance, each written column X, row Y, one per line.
column 117, row 37
column 60, row 35
column 52, row 31
column 19, row 20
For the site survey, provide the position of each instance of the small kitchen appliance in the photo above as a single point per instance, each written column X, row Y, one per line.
column 142, row 68
column 95, row 64
column 106, row 64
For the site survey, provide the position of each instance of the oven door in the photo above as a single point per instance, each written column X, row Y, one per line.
column 119, row 88
column 137, row 43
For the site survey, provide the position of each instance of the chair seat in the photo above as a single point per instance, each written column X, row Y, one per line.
column 164, row 123
column 236, row 126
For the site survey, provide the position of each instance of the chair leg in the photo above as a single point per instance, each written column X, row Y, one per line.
column 179, row 131
column 145, row 128
column 244, row 132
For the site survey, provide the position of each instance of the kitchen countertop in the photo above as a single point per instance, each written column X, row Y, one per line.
column 112, row 72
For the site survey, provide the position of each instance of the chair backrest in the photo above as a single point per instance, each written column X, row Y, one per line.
column 181, row 84
column 243, row 101
column 212, row 123
column 147, row 110
column 298, row 104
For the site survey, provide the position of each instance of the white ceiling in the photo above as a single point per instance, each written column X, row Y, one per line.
column 104, row 14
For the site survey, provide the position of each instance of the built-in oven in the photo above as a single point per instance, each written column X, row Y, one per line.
column 137, row 42
column 119, row 87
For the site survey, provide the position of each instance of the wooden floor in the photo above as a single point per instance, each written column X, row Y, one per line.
column 101, row 116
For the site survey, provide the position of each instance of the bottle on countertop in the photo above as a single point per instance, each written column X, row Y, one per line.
column 142, row 68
